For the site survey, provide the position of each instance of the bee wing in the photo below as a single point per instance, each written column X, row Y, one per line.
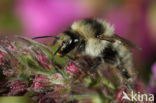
column 127, row 42
column 116, row 37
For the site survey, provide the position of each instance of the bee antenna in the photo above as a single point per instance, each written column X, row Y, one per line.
column 45, row 37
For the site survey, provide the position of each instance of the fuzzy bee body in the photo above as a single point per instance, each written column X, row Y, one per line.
column 89, row 30
column 96, row 38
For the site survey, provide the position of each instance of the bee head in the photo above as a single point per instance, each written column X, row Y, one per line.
column 67, row 41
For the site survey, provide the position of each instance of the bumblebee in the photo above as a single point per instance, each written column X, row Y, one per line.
column 96, row 38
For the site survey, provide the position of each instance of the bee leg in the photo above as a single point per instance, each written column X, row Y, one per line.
column 126, row 75
column 98, row 62
column 72, row 57
column 124, row 72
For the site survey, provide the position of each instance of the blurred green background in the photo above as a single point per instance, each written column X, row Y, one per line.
column 15, row 99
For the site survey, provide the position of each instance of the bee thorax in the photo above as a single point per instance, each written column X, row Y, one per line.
column 94, row 47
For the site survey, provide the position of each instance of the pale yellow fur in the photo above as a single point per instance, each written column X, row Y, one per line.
column 86, row 30
column 109, row 29
column 95, row 47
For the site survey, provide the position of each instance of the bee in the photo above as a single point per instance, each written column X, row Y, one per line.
column 96, row 38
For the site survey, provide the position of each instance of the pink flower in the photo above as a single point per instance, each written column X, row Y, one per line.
column 119, row 94
column 40, row 82
column 48, row 17
column 71, row 69
column 152, row 87
column 1, row 55
column 152, row 82
column 17, row 87
column 8, row 72
column 43, row 60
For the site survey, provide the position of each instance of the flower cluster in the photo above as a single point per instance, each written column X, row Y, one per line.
column 30, row 67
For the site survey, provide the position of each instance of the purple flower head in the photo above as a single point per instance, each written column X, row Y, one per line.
column 48, row 17
column 1, row 56
column 16, row 87
column 71, row 69
column 151, row 88
column 43, row 60
column 152, row 82
column 40, row 82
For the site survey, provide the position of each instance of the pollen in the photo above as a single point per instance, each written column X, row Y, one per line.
column 59, row 54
